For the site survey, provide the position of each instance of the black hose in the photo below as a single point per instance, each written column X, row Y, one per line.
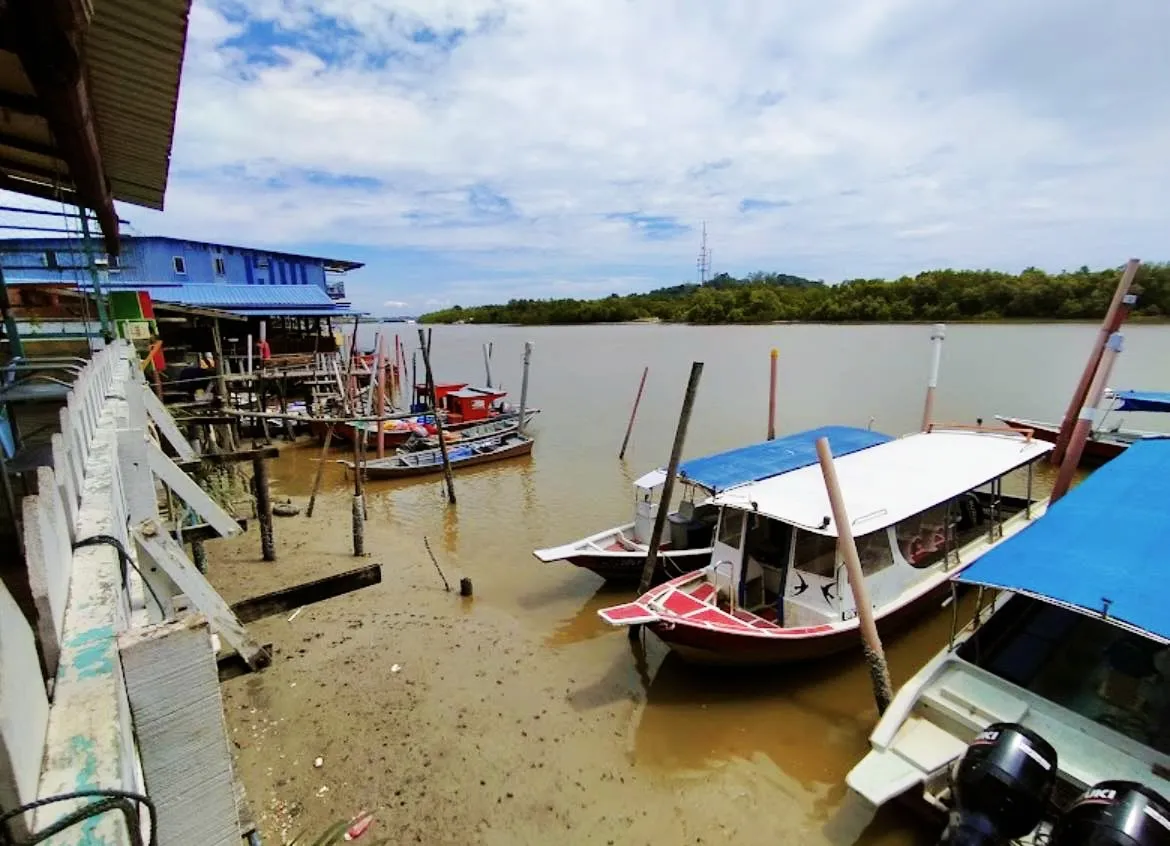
column 111, row 800
column 125, row 560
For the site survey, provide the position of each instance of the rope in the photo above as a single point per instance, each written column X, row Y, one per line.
column 111, row 800
column 124, row 558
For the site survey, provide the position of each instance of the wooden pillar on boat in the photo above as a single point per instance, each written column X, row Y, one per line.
column 1114, row 317
column 937, row 335
column 524, row 387
column 381, row 369
column 487, row 363
column 426, row 351
column 633, row 414
column 772, row 394
column 680, row 437
column 1080, row 432
column 883, row 690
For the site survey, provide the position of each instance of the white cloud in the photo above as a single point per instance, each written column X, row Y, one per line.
column 394, row 304
column 874, row 136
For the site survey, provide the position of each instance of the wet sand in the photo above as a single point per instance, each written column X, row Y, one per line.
column 495, row 731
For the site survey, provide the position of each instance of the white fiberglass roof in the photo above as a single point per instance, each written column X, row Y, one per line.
column 888, row 482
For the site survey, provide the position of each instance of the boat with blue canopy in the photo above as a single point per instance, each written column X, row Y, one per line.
column 619, row 553
column 1109, row 437
column 1076, row 647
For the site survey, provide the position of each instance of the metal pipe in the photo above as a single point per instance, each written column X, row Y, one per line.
column 772, row 395
column 883, row 690
column 1114, row 317
column 937, row 335
column 1080, row 432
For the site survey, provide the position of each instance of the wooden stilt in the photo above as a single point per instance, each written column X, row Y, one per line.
column 263, row 508
column 426, row 351
column 320, row 470
column 633, row 413
column 772, row 394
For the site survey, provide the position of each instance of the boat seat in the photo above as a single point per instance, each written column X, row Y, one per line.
column 626, row 543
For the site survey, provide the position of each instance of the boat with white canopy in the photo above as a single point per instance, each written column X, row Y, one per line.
column 618, row 554
column 922, row 508
column 1076, row 647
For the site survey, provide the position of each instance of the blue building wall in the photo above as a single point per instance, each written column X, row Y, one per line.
column 152, row 260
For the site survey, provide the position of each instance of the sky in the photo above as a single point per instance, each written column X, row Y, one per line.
column 473, row 151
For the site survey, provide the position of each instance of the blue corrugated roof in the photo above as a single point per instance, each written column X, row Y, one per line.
column 1101, row 549
column 1143, row 400
column 763, row 460
column 243, row 297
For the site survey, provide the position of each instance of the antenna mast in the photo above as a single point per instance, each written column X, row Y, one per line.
column 704, row 262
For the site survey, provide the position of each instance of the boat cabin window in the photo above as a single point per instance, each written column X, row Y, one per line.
column 874, row 551
column 1105, row 674
column 922, row 539
column 731, row 527
column 767, row 541
column 815, row 554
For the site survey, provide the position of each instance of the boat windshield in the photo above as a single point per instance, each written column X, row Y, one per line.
column 1094, row 669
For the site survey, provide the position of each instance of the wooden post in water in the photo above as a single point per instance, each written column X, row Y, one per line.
column 263, row 508
column 320, row 470
column 1084, row 424
column 221, row 379
column 871, row 644
column 380, row 370
column 633, row 414
column 772, row 394
column 1114, row 317
column 524, row 387
column 487, row 364
column 680, row 437
column 937, row 335
column 426, row 351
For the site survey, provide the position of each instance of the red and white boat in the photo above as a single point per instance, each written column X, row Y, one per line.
column 923, row 507
column 619, row 553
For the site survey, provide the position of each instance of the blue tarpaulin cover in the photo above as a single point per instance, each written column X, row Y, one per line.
column 1143, row 400
column 1104, row 545
column 763, row 460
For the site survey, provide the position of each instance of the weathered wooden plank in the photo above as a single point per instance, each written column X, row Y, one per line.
column 166, row 424
column 186, row 487
column 165, row 553
column 286, row 599
column 172, row 683
column 24, row 713
column 231, row 457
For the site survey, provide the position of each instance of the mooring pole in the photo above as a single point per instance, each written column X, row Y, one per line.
column 883, row 690
column 487, row 364
column 1084, row 424
column 680, row 437
column 772, row 394
column 426, row 351
column 633, row 414
column 380, row 371
column 524, row 387
column 263, row 508
column 937, row 335
column 1114, row 317
column 320, row 470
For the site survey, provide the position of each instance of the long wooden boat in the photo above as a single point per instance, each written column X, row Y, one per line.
column 1103, row 443
column 923, row 507
column 618, row 554
column 502, row 424
column 1074, row 648
column 425, row 462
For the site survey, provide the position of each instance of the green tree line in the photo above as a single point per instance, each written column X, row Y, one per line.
column 949, row 295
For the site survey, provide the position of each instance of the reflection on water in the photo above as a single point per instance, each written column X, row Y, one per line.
column 812, row 720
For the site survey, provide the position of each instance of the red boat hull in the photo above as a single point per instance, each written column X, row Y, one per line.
column 723, row 647
column 1097, row 450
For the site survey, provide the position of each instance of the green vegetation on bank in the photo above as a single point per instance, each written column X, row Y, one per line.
column 765, row 297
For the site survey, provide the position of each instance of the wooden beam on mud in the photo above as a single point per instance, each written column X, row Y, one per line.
column 307, row 593
column 231, row 457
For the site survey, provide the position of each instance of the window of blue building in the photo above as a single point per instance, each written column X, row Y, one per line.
column 180, row 264
column 220, row 266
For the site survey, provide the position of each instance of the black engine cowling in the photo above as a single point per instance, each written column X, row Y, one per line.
column 1115, row 813
column 1002, row 786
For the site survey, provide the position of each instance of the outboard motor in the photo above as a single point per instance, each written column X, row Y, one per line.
column 1115, row 813
column 1002, row 786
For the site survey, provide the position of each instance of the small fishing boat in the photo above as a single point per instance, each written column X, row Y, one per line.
column 1104, row 442
column 923, row 507
column 428, row 461
column 503, row 424
column 618, row 554
column 1075, row 648
column 461, row 407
